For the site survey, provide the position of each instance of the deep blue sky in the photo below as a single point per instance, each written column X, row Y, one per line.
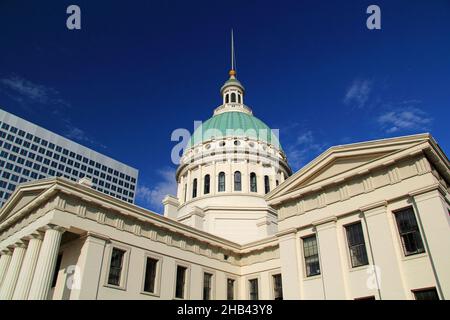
column 140, row 69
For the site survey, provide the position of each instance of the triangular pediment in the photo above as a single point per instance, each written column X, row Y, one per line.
column 342, row 164
column 346, row 159
column 22, row 196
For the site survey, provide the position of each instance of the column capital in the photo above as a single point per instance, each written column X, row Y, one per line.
column 329, row 222
column 374, row 209
column 53, row 227
column 35, row 235
column 5, row 251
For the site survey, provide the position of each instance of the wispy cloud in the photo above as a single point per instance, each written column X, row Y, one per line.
column 358, row 93
column 40, row 98
column 303, row 149
column 152, row 196
column 25, row 91
column 404, row 119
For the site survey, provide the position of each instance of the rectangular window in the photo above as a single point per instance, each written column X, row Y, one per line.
column 116, row 266
column 150, row 275
column 181, row 282
column 409, row 232
column 356, row 245
column 311, row 254
column 426, row 294
column 253, row 286
column 277, row 287
column 207, row 285
column 230, row 289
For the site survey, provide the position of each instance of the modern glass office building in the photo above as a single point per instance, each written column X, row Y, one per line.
column 29, row 152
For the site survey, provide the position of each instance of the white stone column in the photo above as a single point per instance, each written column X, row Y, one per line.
column 387, row 275
column 433, row 217
column 9, row 283
column 85, row 275
column 29, row 265
column 48, row 255
column 290, row 267
column 330, row 259
column 5, row 259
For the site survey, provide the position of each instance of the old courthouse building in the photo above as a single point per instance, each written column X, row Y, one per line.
column 368, row 220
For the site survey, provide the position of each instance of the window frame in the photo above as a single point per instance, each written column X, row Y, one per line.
column 258, row 288
column 186, row 280
column 194, row 188
column 399, row 233
column 219, row 184
column 157, row 288
column 207, row 183
column 306, row 275
column 125, row 266
column 272, row 283
column 253, row 174
column 235, row 286
column 237, row 182
column 213, row 283
column 421, row 290
column 349, row 246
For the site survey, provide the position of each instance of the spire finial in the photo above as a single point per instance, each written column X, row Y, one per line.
column 233, row 57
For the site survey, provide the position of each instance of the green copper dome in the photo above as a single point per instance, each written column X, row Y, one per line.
column 233, row 124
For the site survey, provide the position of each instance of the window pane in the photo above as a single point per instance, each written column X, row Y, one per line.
column 237, row 181
column 181, row 280
column 356, row 245
column 266, row 184
column 253, row 186
column 311, row 255
column 253, row 284
column 115, row 268
column 221, row 182
column 230, row 289
column 150, row 275
column 426, row 294
column 409, row 232
column 207, row 181
column 207, row 284
column 277, row 287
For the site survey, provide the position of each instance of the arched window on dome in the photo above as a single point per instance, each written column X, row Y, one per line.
column 237, row 181
column 239, row 98
column 253, row 185
column 194, row 188
column 233, row 97
column 221, row 186
column 266, row 184
column 227, row 98
column 206, row 184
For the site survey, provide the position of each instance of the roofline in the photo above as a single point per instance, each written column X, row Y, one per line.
column 357, row 145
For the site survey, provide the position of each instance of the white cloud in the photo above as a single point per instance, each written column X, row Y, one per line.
column 358, row 93
column 23, row 90
column 152, row 196
column 406, row 119
column 303, row 149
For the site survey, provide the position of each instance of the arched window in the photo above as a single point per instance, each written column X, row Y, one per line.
column 266, row 184
column 237, row 181
column 221, row 182
column 277, row 183
column 233, row 97
column 194, row 188
column 253, row 186
column 239, row 98
column 206, row 186
column 227, row 98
